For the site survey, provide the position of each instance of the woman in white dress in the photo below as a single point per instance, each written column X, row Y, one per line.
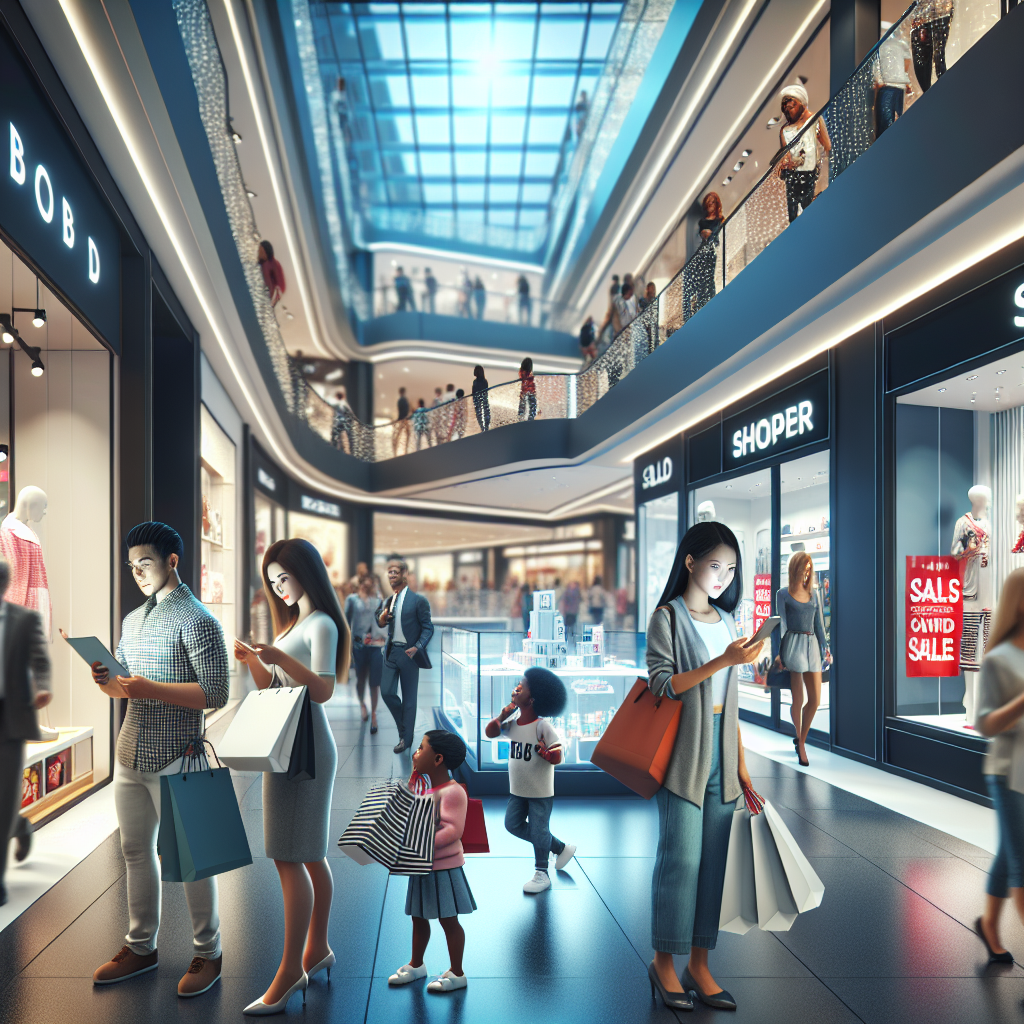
column 312, row 649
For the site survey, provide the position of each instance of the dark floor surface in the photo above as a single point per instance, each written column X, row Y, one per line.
column 891, row 942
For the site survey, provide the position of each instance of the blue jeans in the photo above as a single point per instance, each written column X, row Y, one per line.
column 888, row 106
column 1007, row 871
column 535, row 830
column 689, row 872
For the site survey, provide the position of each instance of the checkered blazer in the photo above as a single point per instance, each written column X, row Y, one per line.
column 174, row 641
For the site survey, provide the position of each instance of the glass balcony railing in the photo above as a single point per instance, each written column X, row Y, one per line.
column 830, row 141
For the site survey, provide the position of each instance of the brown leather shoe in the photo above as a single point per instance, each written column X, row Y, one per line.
column 200, row 976
column 123, row 966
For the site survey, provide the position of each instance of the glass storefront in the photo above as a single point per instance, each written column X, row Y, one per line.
column 658, row 538
column 744, row 504
column 217, row 579
column 330, row 538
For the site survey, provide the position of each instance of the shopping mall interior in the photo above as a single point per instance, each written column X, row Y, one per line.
column 323, row 479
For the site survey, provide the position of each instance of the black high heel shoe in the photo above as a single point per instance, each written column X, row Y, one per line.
column 719, row 1001
column 673, row 1000
column 1006, row 957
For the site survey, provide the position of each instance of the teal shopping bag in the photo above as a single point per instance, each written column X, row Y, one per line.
column 201, row 830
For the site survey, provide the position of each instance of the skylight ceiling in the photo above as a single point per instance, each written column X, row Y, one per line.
column 458, row 118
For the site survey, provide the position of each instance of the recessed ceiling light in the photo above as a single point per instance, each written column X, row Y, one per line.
column 746, row 153
column 738, row 165
column 999, row 373
column 249, row 192
column 973, row 376
column 941, row 390
column 727, row 180
column 728, row 487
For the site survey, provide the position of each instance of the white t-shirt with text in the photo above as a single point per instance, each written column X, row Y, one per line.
column 529, row 774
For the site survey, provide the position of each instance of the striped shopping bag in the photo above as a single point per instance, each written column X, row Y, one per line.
column 393, row 827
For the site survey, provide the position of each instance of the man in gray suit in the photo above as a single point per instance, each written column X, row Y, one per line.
column 24, row 688
column 407, row 617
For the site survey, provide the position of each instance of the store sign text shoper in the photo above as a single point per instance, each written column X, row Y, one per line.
column 765, row 432
column 45, row 202
column 934, row 615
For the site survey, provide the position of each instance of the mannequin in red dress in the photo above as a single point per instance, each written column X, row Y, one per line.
column 20, row 546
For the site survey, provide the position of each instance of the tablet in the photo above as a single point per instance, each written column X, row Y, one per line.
column 91, row 649
column 765, row 631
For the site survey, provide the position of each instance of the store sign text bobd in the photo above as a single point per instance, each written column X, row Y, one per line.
column 657, row 473
column 934, row 615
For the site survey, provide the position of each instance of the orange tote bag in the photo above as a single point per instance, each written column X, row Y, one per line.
column 637, row 744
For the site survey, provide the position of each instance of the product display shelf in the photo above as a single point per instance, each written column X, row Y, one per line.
column 56, row 771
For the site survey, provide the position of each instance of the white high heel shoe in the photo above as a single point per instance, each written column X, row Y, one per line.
column 262, row 1009
column 327, row 963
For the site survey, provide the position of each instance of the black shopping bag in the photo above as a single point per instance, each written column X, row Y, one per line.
column 302, row 765
column 201, row 831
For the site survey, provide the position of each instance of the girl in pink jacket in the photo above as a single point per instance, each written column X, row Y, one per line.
column 445, row 892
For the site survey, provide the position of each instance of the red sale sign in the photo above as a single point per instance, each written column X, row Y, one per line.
column 762, row 611
column 935, row 615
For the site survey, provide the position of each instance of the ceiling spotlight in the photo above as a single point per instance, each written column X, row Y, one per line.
column 4, row 452
column 738, row 165
column 5, row 325
column 235, row 137
column 803, row 79
column 727, row 180
column 249, row 192
column 999, row 373
column 38, row 318
column 37, row 367
column 941, row 390
column 746, row 153
column 973, row 376
column 773, row 121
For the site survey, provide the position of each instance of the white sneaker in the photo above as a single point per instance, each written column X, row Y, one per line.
column 448, row 982
column 565, row 856
column 538, row 883
column 408, row 973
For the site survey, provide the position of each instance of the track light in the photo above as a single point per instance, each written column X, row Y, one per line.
column 4, row 452
column 37, row 367
column 39, row 318
column 7, row 328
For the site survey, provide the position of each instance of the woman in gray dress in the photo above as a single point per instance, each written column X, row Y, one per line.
column 312, row 649
column 803, row 647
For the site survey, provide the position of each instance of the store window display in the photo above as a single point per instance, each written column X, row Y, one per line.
column 217, row 570
column 658, row 530
column 269, row 529
column 744, row 504
column 959, row 494
column 20, row 546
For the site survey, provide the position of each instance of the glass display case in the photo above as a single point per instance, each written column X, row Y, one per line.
column 479, row 670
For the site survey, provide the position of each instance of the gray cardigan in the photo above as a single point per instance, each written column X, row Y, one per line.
column 1002, row 679
column 690, row 766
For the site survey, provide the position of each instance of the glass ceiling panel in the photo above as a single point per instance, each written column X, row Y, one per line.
column 465, row 110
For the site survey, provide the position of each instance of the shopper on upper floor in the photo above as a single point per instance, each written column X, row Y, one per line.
column 699, row 276
column 401, row 427
column 798, row 166
column 999, row 714
column 26, row 689
column 341, row 424
column 692, row 656
column 523, row 288
column 527, row 390
column 436, row 417
column 421, row 424
column 430, row 295
column 891, row 77
column 481, row 401
column 273, row 275
column 588, row 340
column 457, row 427
column 403, row 291
column 479, row 297
column 625, row 308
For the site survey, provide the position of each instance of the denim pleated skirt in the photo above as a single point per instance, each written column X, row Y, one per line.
column 439, row 894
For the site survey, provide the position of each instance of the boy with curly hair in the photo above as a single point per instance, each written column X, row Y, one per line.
column 534, row 750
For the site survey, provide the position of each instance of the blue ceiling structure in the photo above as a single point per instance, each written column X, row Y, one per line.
column 455, row 120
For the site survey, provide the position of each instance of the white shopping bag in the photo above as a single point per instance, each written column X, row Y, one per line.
column 262, row 733
column 739, row 897
column 776, row 909
column 805, row 886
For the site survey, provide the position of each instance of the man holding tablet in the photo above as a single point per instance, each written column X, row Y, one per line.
column 175, row 650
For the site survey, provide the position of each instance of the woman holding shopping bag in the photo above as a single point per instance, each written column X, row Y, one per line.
column 312, row 649
column 692, row 655
column 1000, row 710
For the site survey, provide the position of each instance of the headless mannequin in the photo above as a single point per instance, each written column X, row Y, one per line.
column 20, row 546
column 1018, row 547
column 971, row 540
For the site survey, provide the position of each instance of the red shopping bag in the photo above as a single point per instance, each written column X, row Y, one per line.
column 474, row 835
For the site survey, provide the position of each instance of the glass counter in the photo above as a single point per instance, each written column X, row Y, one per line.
column 479, row 670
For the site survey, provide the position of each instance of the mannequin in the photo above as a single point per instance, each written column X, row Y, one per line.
column 1018, row 548
column 971, row 539
column 705, row 512
column 20, row 546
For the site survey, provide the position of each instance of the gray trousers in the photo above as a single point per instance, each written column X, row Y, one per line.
column 398, row 666
column 527, row 818
column 137, row 800
column 12, row 767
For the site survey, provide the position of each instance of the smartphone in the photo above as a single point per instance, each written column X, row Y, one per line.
column 766, row 630
column 248, row 647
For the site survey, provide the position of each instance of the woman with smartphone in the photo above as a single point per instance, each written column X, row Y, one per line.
column 692, row 655
column 312, row 648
